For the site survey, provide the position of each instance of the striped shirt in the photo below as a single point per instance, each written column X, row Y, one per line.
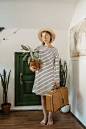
column 48, row 74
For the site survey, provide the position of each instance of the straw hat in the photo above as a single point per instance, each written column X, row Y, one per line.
column 46, row 29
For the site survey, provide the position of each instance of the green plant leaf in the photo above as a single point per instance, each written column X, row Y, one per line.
column 2, row 80
column 4, row 74
column 2, row 84
column 29, row 60
column 28, row 47
column 24, row 47
column 8, row 79
column 25, row 57
column 6, row 85
column 25, row 53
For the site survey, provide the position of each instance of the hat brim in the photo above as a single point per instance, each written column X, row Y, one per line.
column 46, row 29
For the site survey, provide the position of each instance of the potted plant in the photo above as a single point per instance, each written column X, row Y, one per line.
column 5, row 82
column 63, row 77
column 33, row 60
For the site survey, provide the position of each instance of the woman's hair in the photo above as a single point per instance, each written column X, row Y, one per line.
column 43, row 43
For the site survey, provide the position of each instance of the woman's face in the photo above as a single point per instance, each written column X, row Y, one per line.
column 46, row 37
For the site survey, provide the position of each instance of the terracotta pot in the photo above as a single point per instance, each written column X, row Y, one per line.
column 6, row 108
column 35, row 63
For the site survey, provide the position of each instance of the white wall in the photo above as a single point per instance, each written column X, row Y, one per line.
column 13, row 44
column 77, row 72
column 36, row 14
column 80, row 12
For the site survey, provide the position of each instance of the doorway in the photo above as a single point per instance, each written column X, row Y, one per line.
column 24, row 79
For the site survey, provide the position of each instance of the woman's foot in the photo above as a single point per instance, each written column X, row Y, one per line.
column 43, row 122
column 50, row 121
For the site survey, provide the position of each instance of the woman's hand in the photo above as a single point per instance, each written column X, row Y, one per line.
column 57, row 85
column 33, row 68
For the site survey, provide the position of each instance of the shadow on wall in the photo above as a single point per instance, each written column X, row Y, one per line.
column 74, row 92
column 79, row 98
column 79, row 103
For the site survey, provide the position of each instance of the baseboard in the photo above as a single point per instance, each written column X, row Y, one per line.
column 78, row 120
column 36, row 107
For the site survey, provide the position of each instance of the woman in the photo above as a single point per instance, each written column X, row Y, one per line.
column 47, row 76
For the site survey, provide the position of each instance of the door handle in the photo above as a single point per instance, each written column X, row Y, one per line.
column 21, row 78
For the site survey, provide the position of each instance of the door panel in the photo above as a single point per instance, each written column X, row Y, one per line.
column 24, row 79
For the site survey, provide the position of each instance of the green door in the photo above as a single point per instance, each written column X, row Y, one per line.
column 24, row 79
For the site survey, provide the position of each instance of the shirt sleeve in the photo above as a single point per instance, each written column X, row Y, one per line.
column 56, row 67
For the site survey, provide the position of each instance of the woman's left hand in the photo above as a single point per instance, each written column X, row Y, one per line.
column 57, row 85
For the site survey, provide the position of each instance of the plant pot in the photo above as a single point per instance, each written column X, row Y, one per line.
column 6, row 108
column 65, row 109
column 35, row 63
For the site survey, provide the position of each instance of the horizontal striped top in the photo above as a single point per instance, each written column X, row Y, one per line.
column 48, row 74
